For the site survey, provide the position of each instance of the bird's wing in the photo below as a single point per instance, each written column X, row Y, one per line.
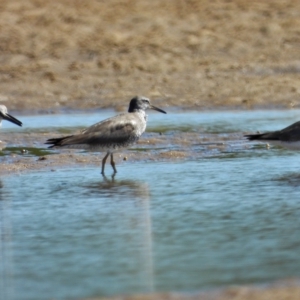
column 117, row 129
column 274, row 135
column 290, row 133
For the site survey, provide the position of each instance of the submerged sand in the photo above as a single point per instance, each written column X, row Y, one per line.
column 282, row 290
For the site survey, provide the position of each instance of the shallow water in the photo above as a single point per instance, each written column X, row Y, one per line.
column 210, row 122
column 231, row 218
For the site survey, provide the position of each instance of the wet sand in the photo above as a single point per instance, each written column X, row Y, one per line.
column 32, row 154
column 281, row 290
column 57, row 56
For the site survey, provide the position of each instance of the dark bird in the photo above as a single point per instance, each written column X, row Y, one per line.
column 288, row 137
column 113, row 134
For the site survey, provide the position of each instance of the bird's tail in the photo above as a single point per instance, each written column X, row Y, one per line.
column 56, row 142
column 252, row 137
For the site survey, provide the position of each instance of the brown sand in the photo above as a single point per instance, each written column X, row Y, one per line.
column 21, row 161
column 284, row 290
column 195, row 54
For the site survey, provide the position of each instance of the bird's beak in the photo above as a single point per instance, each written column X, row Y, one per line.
column 156, row 108
column 10, row 118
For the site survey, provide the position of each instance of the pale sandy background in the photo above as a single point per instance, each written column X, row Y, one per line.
column 189, row 53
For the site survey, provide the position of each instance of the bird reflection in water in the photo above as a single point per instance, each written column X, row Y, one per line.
column 131, row 189
column 291, row 179
column 130, row 200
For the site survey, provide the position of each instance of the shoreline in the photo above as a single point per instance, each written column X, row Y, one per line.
column 284, row 289
column 172, row 109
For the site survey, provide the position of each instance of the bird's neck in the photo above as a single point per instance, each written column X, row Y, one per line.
column 137, row 110
column 141, row 113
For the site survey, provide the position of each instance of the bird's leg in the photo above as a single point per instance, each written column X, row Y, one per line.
column 103, row 162
column 113, row 163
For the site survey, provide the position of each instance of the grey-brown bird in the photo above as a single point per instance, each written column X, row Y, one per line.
column 113, row 134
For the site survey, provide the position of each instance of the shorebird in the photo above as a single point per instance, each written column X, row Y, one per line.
column 112, row 134
column 288, row 137
column 5, row 116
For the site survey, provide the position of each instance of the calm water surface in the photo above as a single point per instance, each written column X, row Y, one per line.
column 157, row 226
column 214, row 122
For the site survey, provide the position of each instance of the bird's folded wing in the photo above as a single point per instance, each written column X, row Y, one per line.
column 290, row 133
column 105, row 132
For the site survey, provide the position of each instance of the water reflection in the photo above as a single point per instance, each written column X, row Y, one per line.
column 124, row 187
column 230, row 217
column 86, row 236
column 292, row 179
column 6, row 258
column 134, row 220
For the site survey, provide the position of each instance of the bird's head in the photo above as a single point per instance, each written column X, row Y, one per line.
column 142, row 103
column 5, row 116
